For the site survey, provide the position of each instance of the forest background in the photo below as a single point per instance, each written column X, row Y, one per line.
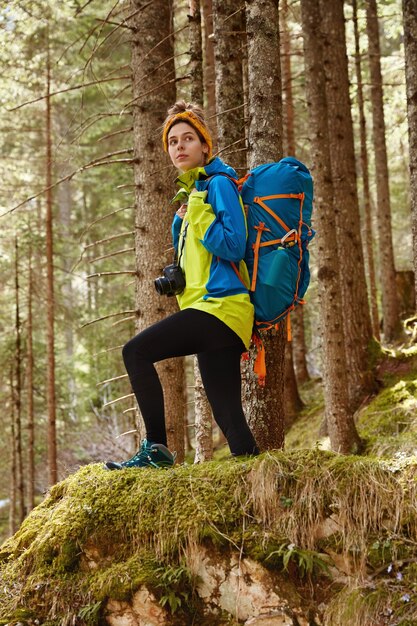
column 85, row 216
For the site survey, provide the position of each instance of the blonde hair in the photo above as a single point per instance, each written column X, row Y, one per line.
column 193, row 115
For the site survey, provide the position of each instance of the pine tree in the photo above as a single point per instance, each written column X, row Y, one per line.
column 410, row 47
column 390, row 308
column 153, row 92
column 265, row 406
column 356, row 317
column 339, row 417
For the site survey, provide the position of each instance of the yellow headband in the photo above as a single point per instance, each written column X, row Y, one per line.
column 192, row 119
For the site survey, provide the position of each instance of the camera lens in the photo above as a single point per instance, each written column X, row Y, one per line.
column 162, row 285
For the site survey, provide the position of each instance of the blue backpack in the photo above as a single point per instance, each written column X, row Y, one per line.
column 278, row 198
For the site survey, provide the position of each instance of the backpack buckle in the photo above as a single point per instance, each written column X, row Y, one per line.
column 290, row 232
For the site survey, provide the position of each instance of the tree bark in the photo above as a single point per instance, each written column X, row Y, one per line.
column 153, row 92
column 196, row 52
column 13, row 459
column 288, row 103
column 209, row 75
column 265, row 405
column 228, row 25
column 298, row 345
column 339, row 418
column 293, row 402
column 356, row 318
column 20, row 488
column 203, row 420
column 30, row 394
column 368, row 230
column 50, row 298
column 390, row 311
column 410, row 48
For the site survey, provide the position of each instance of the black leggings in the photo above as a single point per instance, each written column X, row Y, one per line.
column 218, row 350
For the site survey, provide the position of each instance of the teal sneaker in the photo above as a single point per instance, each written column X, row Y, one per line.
column 149, row 455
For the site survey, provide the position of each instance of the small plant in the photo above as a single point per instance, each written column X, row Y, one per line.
column 174, row 582
column 306, row 561
column 90, row 613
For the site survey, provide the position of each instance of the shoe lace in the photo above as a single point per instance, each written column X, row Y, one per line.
column 143, row 454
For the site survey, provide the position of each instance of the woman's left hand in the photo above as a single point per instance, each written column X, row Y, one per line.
column 182, row 211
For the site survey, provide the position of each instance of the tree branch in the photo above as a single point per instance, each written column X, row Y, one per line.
column 111, row 254
column 55, row 93
column 99, row 274
column 106, row 317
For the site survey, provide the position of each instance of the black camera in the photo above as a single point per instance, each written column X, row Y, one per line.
column 172, row 282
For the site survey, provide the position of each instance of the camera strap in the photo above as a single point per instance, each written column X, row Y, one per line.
column 183, row 235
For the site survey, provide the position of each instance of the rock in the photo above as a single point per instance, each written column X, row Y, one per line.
column 270, row 619
column 143, row 610
column 240, row 586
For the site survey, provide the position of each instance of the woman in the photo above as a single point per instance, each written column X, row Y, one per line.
column 216, row 316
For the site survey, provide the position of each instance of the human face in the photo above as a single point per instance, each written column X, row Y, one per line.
column 185, row 147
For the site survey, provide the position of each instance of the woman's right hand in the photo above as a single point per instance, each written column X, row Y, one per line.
column 182, row 211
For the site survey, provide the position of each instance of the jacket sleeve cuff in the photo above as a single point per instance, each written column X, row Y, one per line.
column 199, row 214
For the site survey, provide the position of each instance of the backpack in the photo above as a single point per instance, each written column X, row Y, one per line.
column 278, row 199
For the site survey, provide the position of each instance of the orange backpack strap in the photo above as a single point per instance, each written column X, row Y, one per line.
column 259, row 366
column 260, row 228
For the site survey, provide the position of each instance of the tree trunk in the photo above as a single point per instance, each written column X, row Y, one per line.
column 390, row 312
column 202, row 410
column 299, row 349
column 196, row 52
column 356, row 318
column 410, row 48
column 288, row 104
column 13, row 459
column 368, row 230
column 153, row 92
column 265, row 405
column 50, row 300
column 20, row 489
column 209, row 75
column 30, row 395
column 293, row 402
column 298, row 346
column 339, row 418
column 203, row 420
column 228, row 24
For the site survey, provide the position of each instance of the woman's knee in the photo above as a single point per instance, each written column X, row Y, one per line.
column 131, row 351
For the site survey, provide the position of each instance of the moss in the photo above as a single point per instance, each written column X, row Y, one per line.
column 388, row 425
column 389, row 599
column 128, row 525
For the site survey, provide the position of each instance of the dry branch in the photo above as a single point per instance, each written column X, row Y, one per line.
column 111, row 254
column 106, row 317
column 125, row 319
column 114, row 133
column 129, row 395
column 99, row 274
column 110, row 380
column 56, row 93
column 112, row 238
column 64, row 179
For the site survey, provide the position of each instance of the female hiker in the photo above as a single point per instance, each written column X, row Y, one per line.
column 216, row 316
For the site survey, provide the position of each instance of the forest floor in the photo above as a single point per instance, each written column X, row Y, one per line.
column 386, row 420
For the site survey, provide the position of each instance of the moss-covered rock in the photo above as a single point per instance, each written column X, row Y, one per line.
column 102, row 536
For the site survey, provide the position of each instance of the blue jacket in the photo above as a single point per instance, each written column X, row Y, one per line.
column 214, row 233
